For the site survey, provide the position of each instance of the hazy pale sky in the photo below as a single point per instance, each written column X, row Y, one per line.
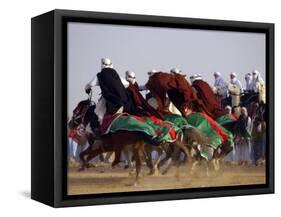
column 141, row 49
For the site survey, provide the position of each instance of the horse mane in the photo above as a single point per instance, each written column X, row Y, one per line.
column 91, row 117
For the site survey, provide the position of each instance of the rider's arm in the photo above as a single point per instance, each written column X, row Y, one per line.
column 124, row 82
column 92, row 83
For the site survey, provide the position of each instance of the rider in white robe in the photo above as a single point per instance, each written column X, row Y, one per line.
column 235, row 81
column 257, row 79
column 220, row 85
column 101, row 105
column 258, row 85
column 248, row 80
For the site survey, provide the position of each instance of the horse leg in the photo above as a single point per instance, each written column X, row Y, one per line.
column 176, row 160
column 216, row 164
column 138, row 151
column 155, row 170
column 207, row 168
column 82, row 158
column 130, row 164
column 91, row 154
column 128, row 155
column 148, row 158
column 107, row 156
column 165, row 159
column 180, row 145
column 102, row 159
column 193, row 167
column 117, row 158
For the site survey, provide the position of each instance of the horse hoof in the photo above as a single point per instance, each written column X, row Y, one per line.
column 154, row 172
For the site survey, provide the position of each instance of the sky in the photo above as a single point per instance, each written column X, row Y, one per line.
column 141, row 49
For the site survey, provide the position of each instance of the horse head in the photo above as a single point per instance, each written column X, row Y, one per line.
column 79, row 114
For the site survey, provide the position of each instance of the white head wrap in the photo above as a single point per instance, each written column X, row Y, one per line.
column 228, row 108
column 131, row 77
column 217, row 75
column 248, row 76
column 177, row 71
column 106, row 63
column 234, row 79
column 195, row 77
column 257, row 77
column 151, row 72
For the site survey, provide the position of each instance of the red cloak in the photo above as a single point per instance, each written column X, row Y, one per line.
column 175, row 86
column 208, row 100
column 142, row 106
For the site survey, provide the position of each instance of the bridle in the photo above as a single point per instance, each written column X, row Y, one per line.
column 79, row 113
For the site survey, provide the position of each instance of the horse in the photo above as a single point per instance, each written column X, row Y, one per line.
column 113, row 142
column 217, row 153
column 195, row 141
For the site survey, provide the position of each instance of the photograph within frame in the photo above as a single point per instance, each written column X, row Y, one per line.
column 191, row 189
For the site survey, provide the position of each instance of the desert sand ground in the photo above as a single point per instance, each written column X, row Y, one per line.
column 104, row 179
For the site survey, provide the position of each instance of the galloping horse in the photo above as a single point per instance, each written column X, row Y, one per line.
column 113, row 142
column 117, row 141
column 185, row 99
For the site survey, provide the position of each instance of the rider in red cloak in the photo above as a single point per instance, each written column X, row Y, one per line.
column 142, row 106
column 176, row 87
column 208, row 100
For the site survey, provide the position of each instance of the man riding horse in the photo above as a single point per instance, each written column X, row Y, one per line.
column 212, row 106
column 142, row 106
column 174, row 84
column 113, row 89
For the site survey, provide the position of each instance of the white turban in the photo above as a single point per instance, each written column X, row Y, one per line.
column 177, row 71
column 218, row 74
column 151, row 72
column 195, row 77
column 106, row 63
column 131, row 76
column 257, row 77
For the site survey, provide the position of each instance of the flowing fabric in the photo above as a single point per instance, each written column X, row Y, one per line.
column 142, row 106
column 210, row 128
column 175, row 86
column 227, row 118
column 157, row 129
column 178, row 120
column 114, row 92
column 205, row 94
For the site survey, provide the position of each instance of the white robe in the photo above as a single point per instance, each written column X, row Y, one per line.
column 221, row 86
column 237, row 83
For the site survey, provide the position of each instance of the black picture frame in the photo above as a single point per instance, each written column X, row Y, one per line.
column 49, row 91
